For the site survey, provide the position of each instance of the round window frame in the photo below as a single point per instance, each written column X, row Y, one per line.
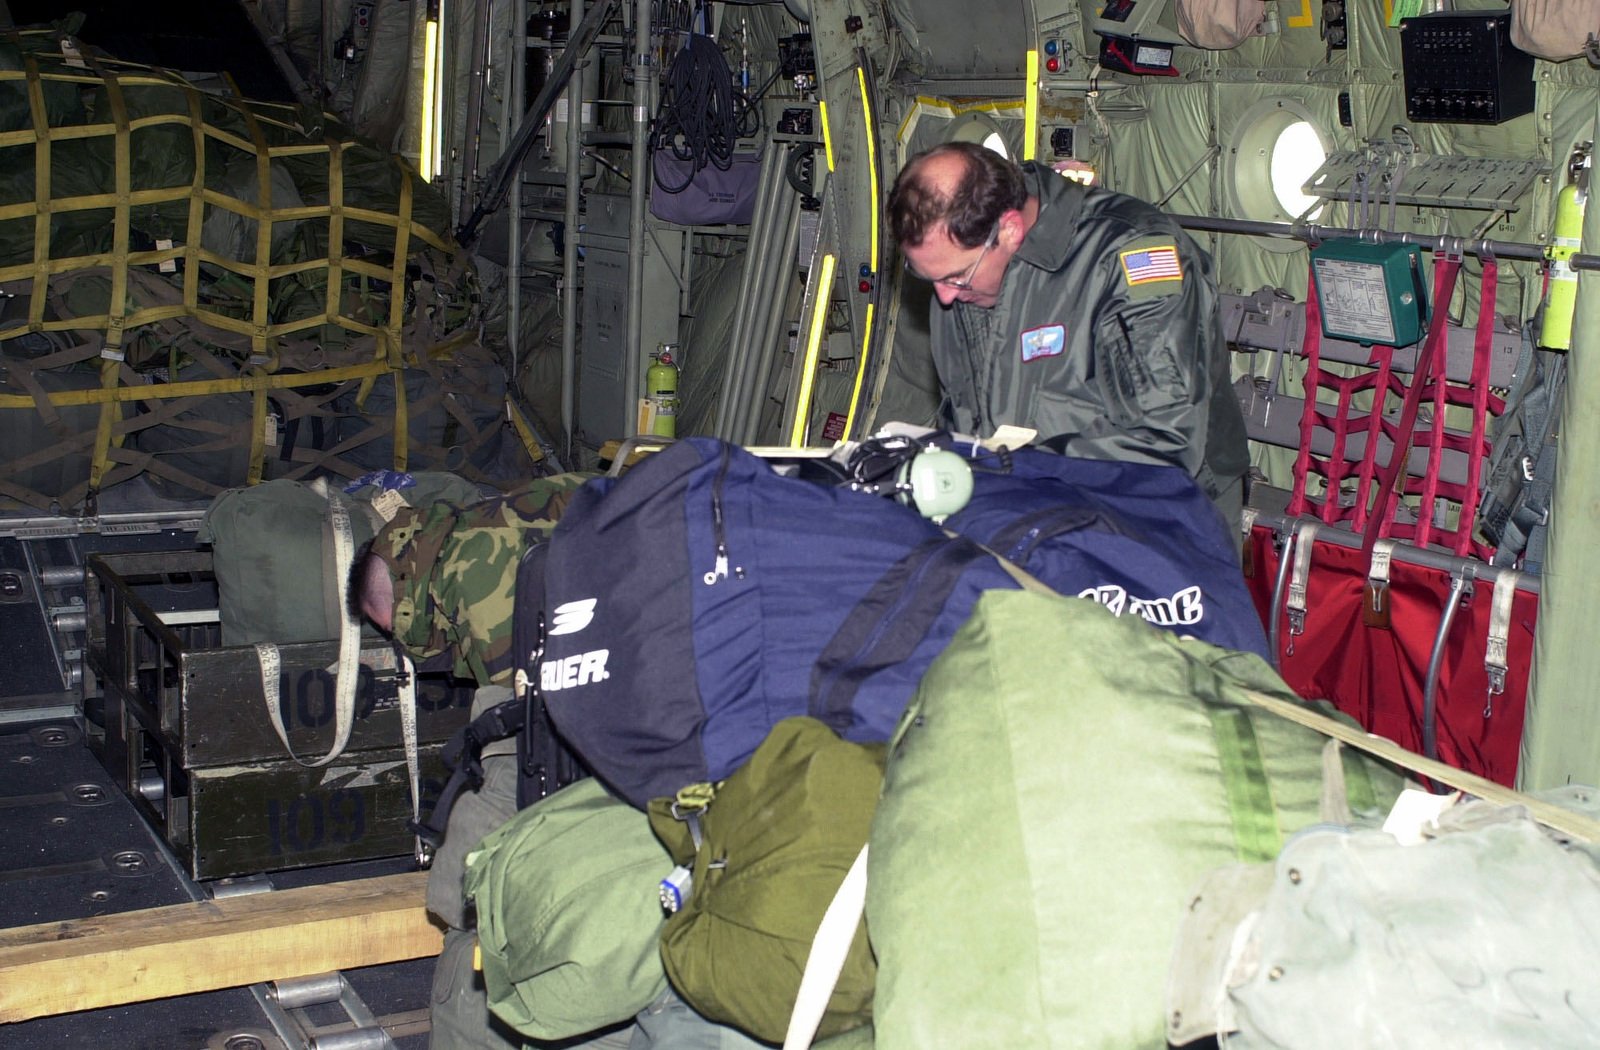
column 977, row 127
column 1248, row 171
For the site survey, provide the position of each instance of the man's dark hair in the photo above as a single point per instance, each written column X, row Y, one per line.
column 991, row 186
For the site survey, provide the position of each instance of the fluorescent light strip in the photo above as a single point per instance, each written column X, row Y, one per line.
column 808, row 373
column 427, row 146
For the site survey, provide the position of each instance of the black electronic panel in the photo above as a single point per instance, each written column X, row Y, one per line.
column 1460, row 68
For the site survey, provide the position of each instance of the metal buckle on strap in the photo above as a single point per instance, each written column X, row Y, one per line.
column 1305, row 535
column 1375, row 595
column 1496, row 648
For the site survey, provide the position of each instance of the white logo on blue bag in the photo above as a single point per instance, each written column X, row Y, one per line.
column 572, row 617
column 1186, row 607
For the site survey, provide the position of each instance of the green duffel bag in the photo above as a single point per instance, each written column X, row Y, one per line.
column 1061, row 782
column 569, row 914
column 854, row 1039
column 274, row 556
column 775, row 841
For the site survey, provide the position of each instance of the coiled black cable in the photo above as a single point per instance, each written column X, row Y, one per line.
column 698, row 120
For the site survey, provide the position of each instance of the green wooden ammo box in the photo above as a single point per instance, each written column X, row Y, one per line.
column 181, row 723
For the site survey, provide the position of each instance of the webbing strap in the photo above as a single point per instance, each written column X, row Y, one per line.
column 1474, row 444
column 344, row 688
column 1305, row 536
column 1298, row 502
column 1391, row 480
column 1483, row 402
column 1244, row 778
column 244, row 383
column 258, row 437
column 42, row 196
column 1382, row 559
column 1496, row 648
column 1563, row 820
column 829, row 950
column 408, row 739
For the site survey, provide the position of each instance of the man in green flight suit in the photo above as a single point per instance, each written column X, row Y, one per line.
column 1085, row 315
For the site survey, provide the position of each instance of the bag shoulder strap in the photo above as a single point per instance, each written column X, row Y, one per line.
column 1565, row 821
column 829, row 948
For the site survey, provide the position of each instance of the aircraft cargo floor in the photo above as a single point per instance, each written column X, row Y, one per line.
column 77, row 847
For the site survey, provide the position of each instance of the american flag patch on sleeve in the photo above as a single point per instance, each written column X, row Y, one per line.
column 1149, row 265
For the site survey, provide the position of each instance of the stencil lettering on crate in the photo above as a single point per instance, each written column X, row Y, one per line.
column 306, row 699
column 310, row 823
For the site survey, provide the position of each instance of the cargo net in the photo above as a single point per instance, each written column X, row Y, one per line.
column 209, row 292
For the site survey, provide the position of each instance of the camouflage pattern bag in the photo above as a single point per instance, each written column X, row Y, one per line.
column 273, row 550
column 455, row 575
column 455, row 571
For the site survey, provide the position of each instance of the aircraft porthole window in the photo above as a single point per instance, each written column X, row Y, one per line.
column 1273, row 149
column 1296, row 156
column 997, row 142
column 991, row 130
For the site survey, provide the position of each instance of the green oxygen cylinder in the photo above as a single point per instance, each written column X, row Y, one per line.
column 1561, row 294
column 661, row 385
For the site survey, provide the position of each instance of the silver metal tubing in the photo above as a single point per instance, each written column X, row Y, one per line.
column 753, row 302
column 353, row 1039
column 224, row 889
column 569, row 254
column 643, row 76
column 1312, row 234
column 151, row 787
column 61, row 576
column 302, row 992
column 1285, row 530
column 1425, row 556
column 1460, row 588
column 769, row 348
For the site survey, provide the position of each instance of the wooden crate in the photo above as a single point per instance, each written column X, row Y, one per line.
column 181, row 723
column 153, row 637
column 268, row 816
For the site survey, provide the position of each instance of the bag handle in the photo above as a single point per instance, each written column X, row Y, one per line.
column 886, row 625
column 829, row 949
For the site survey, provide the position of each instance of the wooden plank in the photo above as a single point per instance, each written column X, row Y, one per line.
column 61, row 967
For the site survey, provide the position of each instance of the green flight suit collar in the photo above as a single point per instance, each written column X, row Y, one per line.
column 1060, row 201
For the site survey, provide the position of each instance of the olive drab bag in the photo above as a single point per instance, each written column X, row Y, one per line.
column 273, row 553
column 768, row 848
column 1058, row 785
column 569, row 918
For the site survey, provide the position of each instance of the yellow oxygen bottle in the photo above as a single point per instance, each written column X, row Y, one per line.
column 661, row 382
column 1561, row 294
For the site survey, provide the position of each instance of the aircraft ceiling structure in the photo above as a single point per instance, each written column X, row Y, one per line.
column 952, row 52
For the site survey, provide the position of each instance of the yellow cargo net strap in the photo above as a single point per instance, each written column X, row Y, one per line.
column 144, row 294
column 264, row 123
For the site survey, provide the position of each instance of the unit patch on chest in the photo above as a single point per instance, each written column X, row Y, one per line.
column 1049, row 341
column 1151, row 267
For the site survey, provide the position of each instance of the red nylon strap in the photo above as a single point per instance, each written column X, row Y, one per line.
column 1391, row 478
column 1336, row 468
column 1313, row 350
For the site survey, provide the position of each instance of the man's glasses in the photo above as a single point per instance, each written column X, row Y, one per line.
column 963, row 282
